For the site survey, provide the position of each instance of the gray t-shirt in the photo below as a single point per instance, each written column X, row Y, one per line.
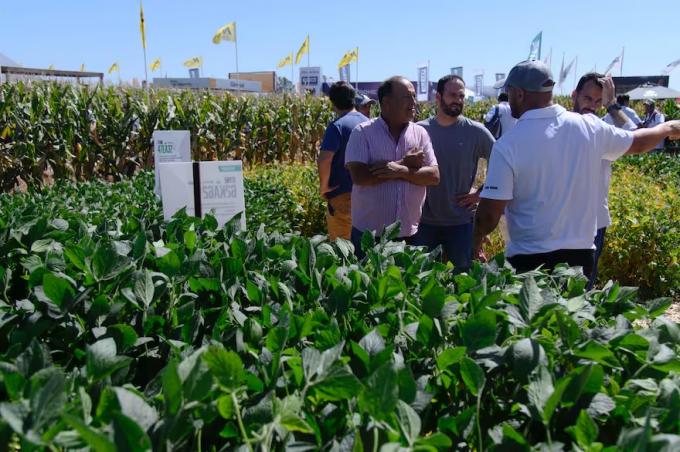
column 458, row 149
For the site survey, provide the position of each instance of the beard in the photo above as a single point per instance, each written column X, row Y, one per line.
column 580, row 110
column 452, row 110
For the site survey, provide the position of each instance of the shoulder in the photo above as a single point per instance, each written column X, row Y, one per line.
column 425, row 122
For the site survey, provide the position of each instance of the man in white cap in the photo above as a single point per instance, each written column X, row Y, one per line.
column 544, row 172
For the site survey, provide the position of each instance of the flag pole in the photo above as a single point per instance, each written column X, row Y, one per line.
column 238, row 74
column 575, row 70
column 356, row 82
column 540, row 44
column 146, row 75
column 621, row 65
column 292, row 72
column 562, row 69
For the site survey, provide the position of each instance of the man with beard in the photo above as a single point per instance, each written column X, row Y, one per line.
column 545, row 172
column 391, row 162
column 592, row 92
column 458, row 143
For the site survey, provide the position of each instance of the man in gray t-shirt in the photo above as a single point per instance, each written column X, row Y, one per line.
column 458, row 144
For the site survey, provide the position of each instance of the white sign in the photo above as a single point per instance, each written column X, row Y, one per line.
column 170, row 146
column 423, row 84
column 310, row 79
column 221, row 189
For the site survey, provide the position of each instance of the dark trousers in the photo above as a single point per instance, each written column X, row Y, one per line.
column 575, row 258
column 356, row 241
column 455, row 240
column 599, row 245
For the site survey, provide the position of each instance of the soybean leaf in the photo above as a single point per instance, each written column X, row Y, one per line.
column 409, row 422
column 96, row 440
column 473, row 375
column 226, row 366
column 128, row 435
column 102, row 359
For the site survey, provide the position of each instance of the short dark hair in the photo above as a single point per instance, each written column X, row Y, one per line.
column 503, row 97
column 622, row 99
column 342, row 95
column 386, row 87
column 446, row 79
column 589, row 77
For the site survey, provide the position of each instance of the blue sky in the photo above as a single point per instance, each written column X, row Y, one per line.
column 393, row 37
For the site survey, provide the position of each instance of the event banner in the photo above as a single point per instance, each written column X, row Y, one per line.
column 457, row 71
column 170, row 146
column 202, row 187
column 310, row 79
column 479, row 84
column 423, row 83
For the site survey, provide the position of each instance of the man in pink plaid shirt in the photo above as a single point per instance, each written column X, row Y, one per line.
column 391, row 162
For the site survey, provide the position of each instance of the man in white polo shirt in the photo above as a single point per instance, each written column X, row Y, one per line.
column 544, row 172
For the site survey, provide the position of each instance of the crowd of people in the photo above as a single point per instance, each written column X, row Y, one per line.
column 549, row 169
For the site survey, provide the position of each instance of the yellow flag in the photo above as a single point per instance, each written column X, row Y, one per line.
column 226, row 33
column 82, row 67
column 344, row 61
column 155, row 65
column 353, row 55
column 114, row 68
column 193, row 62
column 303, row 49
column 286, row 61
column 141, row 24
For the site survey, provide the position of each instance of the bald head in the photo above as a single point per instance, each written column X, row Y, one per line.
column 397, row 99
column 521, row 100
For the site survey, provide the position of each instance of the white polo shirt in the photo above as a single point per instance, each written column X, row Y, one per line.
column 604, row 219
column 548, row 166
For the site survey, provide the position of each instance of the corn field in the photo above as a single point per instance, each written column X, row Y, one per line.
column 86, row 132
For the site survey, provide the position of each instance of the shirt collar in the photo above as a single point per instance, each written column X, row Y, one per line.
column 543, row 113
column 384, row 125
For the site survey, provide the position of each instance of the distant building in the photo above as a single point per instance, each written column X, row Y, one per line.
column 243, row 86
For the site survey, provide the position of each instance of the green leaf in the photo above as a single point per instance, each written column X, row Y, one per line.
column 373, row 343
column 539, row 391
column 601, row 405
column 409, row 422
column 102, row 360
column 96, row 440
column 338, row 383
column 450, row 356
column 473, row 375
column 583, row 380
column 136, row 408
column 226, row 366
column 172, row 388
column 381, row 392
column 585, row 431
column 530, row 299
column 434, row 297
column 526, row 355
column 144, row 287
column 57, row 289
column 169, row 264
column 225, row 406
column 128, row 435
column 479, row 331
column 597, row 352
column 425, row 333
column 48, row 388
column 124, row 335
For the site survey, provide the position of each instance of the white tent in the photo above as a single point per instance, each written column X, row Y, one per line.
column 6, row 61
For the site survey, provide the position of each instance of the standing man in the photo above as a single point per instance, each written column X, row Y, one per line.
column 653, row 117
column 502, row 113
column 335, row 183
column 624, row 100
column 363, row 104
column 544, row 174
column 391, row 162
column 458, row 144
column 592, row 92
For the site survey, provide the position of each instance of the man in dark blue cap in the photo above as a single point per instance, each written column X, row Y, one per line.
column 543, row 174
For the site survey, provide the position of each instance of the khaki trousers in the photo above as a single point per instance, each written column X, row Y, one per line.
column 339, row 217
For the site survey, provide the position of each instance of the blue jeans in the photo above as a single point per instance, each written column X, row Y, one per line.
column 599, row 245
column 455, row 240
